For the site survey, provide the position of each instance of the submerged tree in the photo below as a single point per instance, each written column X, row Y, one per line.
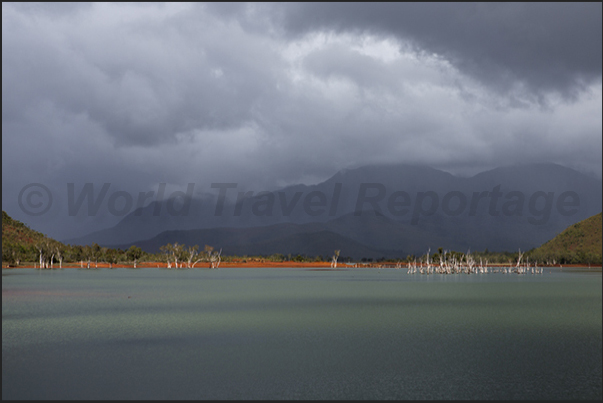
column 59, row 250
column 192, row 253
column 41, row 250
column 167, row 250
column 335, row 257
column 215, row 259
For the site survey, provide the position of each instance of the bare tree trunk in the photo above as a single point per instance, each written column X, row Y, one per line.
column 334, row 260
column 219, row 259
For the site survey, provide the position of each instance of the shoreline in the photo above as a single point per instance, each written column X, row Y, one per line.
column 263, row 264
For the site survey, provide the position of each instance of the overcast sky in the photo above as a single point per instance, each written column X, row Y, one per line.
column 268, row 95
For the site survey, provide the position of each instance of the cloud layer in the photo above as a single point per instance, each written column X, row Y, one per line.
column 270, row 95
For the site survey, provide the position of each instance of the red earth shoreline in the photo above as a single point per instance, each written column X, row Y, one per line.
column 261, row 263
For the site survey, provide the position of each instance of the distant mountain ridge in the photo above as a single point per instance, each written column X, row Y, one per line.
column 386, row 209
column 274, row 239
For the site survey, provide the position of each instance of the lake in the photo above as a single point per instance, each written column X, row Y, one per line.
column 284, row 333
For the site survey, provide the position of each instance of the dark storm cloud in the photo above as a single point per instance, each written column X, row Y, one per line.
column 546, row 46
column 270, row 95
column 143, row 80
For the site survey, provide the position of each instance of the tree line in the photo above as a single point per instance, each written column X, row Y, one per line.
column 47, row 253
column 22, row 244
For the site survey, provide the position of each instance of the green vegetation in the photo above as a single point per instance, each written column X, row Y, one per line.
column 579, row 243
column 16, row 232
column 20, row 244
column 18, row 241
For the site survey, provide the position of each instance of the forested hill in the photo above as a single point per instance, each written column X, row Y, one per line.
column 19, row 241
column 579, row 243
column 22, row 244
column 16, row 233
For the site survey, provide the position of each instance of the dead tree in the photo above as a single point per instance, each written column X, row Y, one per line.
column 192, row 252
column 59, row 252
column 335, row 257
column 215, row 259
column 40, row 248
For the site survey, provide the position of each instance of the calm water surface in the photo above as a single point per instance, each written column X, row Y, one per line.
column 277, row 333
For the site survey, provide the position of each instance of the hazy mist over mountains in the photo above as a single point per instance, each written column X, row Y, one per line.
column 371, row 211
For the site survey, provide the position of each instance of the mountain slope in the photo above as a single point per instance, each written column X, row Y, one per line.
column 528, row 212
column 579, row 243
column 19, row 241
column 16, row 233
column 308, row 240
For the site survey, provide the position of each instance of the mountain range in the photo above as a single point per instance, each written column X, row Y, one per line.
column 371, row 211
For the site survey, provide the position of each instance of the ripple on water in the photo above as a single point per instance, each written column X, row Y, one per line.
column 265, row 334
